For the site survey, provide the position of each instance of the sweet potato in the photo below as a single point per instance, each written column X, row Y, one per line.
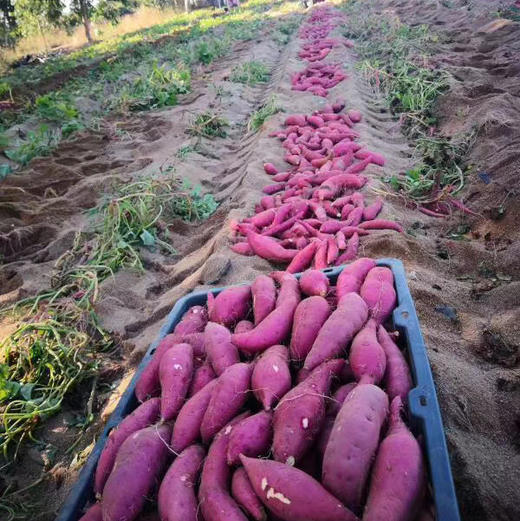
column 291, row 494
column 379, row 293
column 176, row 499
column 251, row 437
column 201, row 377
column 93, row 513
column 303, row 258
column 215, row 500
column 381, row 224
column 186, row 429
column 270, row 169
column 398, row 478
column 309, row 317
column 146, row 414
column 354, row 116
column 175, row 373
column 367, row 358
column 353, row 275
column 338, row 330
column 274, row 328
column 243, row 326
column 193, row 321
column 353, row 443
column 314, row 282
column 268, row 248
column 299, row 416
column 398, row 380
column 227, row 398
column 230, row 305
column 139, row 464
column 245, row 496
column 350, row 251
column 271, row 377
column 372, row 211
column 148, row 384
column 320, row 258
column 333, row 407
column 221, row 353
column 264, row 297
column 242, row 248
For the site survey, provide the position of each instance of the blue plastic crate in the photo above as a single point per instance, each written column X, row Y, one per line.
column 425, row 415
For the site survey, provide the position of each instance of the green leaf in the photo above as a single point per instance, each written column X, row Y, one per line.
column 5, row 170
column 147, row 238
column 26, row 391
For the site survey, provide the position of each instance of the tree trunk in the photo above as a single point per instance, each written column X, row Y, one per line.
column 86, row 20
column 187, row 6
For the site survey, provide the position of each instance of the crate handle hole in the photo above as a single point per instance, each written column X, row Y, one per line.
column 328, row 270
column 423, row 401
column 404, row 314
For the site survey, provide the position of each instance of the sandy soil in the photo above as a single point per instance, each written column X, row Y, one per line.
column 475, row 355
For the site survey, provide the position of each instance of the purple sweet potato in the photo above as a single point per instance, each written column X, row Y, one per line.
column 310, row 315
column 228, row 397
column 379, row 293
column 251, row 437
column 314, row 282
column 372, row 211
column 186, row 429
column 245, row 496
column 353, row 275
column 264, row 297
column 271, row 377
column 268, row 248
column 243, row 326
column 193, row 321
column 333, row 407
column 398, row 380
column 367, row 358
column 215, row 500
column 176, row 499
column 291, row 494
column 338, row 330
column 299, row 416
column 175, row 373
column 221, row 352
column 398, row 477
column 146, row 414
column 353, row 443
column 201, row 377
column 303, row 258
column 148, row 384
column 230, row 305
column 276, row 326
column 94, row 513
column 139, row 464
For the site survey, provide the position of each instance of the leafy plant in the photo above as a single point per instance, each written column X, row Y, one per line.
column 190, row 204
column 39, row 143
column 208, row 125
column 250, row 73
column 184, row 151
column 260, row 116
column 51, row 108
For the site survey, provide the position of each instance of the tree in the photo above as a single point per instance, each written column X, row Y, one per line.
column 34, row 16
column 7, row 20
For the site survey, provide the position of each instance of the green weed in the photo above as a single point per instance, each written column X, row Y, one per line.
column 184, row 151
column 38, row 144
column 208, row 124
column 250, row 73
column 49, row 107
column 260, row 116
column 190, row 204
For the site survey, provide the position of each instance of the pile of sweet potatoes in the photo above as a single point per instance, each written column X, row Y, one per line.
column 277, row 400
column 314, row 214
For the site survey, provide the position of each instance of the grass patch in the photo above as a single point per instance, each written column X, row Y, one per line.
column 207, row 124
column 190, row 204
column 260, row 116
column 250, row 73
column 396, row 62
